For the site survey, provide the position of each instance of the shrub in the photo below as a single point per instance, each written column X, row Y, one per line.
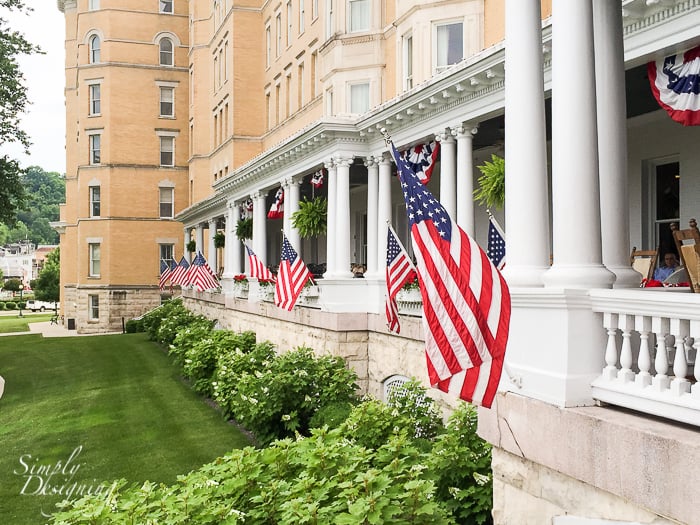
column 2, row 305
column 134, row 325
column 152, row 320
column 179, row 319
column 185, row 330
column 21, row 304
column 11, row 305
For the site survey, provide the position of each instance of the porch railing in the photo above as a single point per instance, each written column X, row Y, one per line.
column 650, row 355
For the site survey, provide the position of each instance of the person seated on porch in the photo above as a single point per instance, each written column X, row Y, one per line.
column 669, row 266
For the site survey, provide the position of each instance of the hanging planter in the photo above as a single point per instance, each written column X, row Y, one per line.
column 191, row 246
column 310, row 220
column 244, row 229
column 219, row 240
column 492, row 183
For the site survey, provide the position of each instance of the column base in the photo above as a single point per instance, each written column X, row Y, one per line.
column 578, row 277
column 625, row 277
column 524, row 276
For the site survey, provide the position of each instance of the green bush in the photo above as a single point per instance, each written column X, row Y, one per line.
column 185, row 329
column 11, row 305
column 2, row 305
column 152, row 320
column 21, row 304
column 134, row 325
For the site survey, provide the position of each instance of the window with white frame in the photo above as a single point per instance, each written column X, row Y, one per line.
column 330, row 19
column 167, row 151
column 268, row 45
column 165, row 6
column 359, row 98
column 94, row 263
column 359, row 15
column 167, row 252
column 449, row 44
column 94, row 307
column 278, row 28
column 95, row 148
column 329, row 103
column 166, row 203
column 93, row 5
column 166, row 52
column 314, row 9
column 94, row 201
column 300, row 85
column 289, row 22
column 302, row 14
column 94, row 46
column 167, row 101
column 407, row 62
column 94, row 96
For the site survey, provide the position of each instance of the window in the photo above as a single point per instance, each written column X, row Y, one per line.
column 166, row 203
column 167, row 102
column 94, row 251
column 288, row 96
column 167, row 252
column 268, row 45
column 301, row 16
column 167, row 150
column 314, row 9
column 312, row 81
column 277, row 104
column 329, row 19
column 278, row 28
column 94, row 307
column 268, row 113
column 329, row 102
column 289, row 23
column 94, row 201
column 449, row 44
column 407, row 62
column 95, row 140
column 359, row 15
column 94, row 95
column 300, row 86
column 359, row 98
column 94, row 49
column 165, row 6
column 166, row 52
column 93, row 5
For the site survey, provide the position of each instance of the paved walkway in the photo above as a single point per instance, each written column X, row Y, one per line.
column 47, row 329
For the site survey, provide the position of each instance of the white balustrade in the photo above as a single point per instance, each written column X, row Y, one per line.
column 649, row 336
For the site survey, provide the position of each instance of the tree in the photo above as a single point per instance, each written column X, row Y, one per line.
column 12, row 285
column 13, row 103
column 47, row 286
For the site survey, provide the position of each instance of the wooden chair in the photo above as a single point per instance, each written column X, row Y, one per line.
column 688, row 244
column 644, row 261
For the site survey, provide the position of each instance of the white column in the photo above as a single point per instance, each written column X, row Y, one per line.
column 527, row 208
column 342, row 226
column 232, row 248
column 211, row 255
column 286, row 216
column 260, row 226
column 372, row 204
column 465, row 177
column 383, row 210
column 199, row 238
column 612, row 141
column 448, row 173
column 188, row 238
column 292, row 198
column 331, row 222
column 575, row 188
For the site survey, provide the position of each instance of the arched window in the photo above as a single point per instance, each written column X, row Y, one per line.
column 166, row 52
column 94, row 49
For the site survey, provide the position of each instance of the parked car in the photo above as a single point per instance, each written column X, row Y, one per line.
column 41, row 306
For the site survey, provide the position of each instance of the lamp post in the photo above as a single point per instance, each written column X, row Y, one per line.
column 21, row 289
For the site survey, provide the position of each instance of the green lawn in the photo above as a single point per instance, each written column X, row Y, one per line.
column 116, row 403
column 14, row 323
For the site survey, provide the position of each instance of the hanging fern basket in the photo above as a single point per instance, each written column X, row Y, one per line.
column 244, row 229
column 492, row 183
column 310, row 219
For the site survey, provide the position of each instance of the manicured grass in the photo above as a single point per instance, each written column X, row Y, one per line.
column 14, row 323
column 118, row 397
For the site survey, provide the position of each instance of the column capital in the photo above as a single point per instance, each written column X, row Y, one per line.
column 213, row 221
column 370, row 161
column 386, row 158
column 343, row 161
column 258, row 195
column 444, row 136
column 328, row 164
column 466, row 129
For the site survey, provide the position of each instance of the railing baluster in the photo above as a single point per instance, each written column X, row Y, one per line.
column 610, row 324
column 660, row 327
column 642, row 324
column 680, row 384
column 625, row 323
column 695, row 333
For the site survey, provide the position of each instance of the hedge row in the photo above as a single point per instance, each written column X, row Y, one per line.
column 12, row 305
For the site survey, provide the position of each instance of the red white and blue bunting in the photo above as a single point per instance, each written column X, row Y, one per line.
column 675, row 82
column 277, row 209
column 421, row 159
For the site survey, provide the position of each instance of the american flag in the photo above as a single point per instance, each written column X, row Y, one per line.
column 258, row 268
column 179, row 273
column 399, row 271
column 201, row 275
column 277, row 208
column 497, row 244
column 317, row 179
column 421, row 159
column 166, row 270
column 291, row 277
column 247, row 208
column 466, row 302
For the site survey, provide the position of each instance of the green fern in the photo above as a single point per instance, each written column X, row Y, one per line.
column 310, row 219
column 492, row 183
column 244, row 229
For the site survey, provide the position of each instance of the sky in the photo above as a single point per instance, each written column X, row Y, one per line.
column 45, row 120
